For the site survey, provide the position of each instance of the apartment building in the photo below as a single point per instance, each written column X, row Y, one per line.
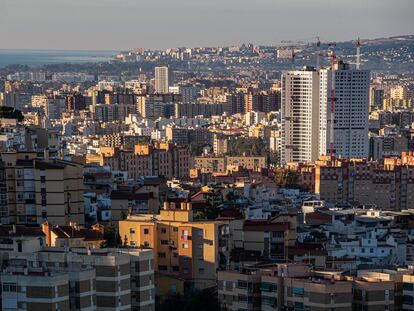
column 310, row 123
column 373, row 294
column 162, row 79
column 408, row 292
column 351, row 106
column 397, row 276
column 73, row 236
column 300, row 116
column 387, row 186
column 317, row 294
column 42, row 190
column 112, row 267
column 270, row 238
column 239, row 291
column 34, row 291
column 288, row 286
column 142, row 279
column 177, row 135
column 146, row 160
column 183, row 247
column 209, row 164
column 142, row 198
column 19, row 238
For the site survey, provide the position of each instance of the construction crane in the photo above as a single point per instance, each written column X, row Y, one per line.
column 294, row 44
column 318, row 53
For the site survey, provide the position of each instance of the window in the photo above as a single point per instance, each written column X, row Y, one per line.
column 185, row 245
column 201, row 270
column 175, row 229
column 162, row 268
column 164, row 242
column 162, row 255
column 146, row 244
column 242, row 298
column 268, row 287
column 163, row 230
column 298, row 291
column 241, row 284
column 175, row 268
column 9, row 287
column 146, row 231
column 408, row 300
column 131, row 231
column 270, row 301
column 277, row 234
column 408, row 286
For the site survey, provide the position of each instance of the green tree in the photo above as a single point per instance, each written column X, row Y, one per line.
column 11, row 113
column 112, row 237
column 200, row 300
column 274, row 158
column 287, row 178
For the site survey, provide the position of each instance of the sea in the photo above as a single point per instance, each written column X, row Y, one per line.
column 35, row 58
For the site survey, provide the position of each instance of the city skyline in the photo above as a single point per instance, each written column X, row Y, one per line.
column 183, row 23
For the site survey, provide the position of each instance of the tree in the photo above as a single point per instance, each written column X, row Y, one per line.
column 248, row 146
column 274, row 158
column 112, row 237
column 200, row 300
column 196, row 149
column 11, row 113
column 125, row 241
column 286, row 178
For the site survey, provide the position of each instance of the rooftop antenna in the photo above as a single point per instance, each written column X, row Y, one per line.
column 358, row 53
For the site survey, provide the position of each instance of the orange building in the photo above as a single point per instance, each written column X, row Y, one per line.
column 183, row 247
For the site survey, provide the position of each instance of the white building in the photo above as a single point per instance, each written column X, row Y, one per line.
column 306, row 113
column 162, row 82
column 300, row 115
column 350, row 111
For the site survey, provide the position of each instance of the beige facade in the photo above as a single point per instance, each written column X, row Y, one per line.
column 182, row 247
column 112, row 268
column 297, row 287
column 146, row 160
column 40, row 190
column 373, row 294
column 388, row 186
column 239, row 291
column 222, row 164
column 142, row 279
column 34, row 292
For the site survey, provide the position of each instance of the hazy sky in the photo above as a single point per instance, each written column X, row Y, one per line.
column 123, row 24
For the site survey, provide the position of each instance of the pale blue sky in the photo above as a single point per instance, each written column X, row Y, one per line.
column 123, row 24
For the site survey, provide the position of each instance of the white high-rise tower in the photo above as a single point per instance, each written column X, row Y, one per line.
column 306, row 113
column 162, row 82
column 350, row 111
column 300, row 115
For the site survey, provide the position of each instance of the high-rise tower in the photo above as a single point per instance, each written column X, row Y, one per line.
column 162, row 82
